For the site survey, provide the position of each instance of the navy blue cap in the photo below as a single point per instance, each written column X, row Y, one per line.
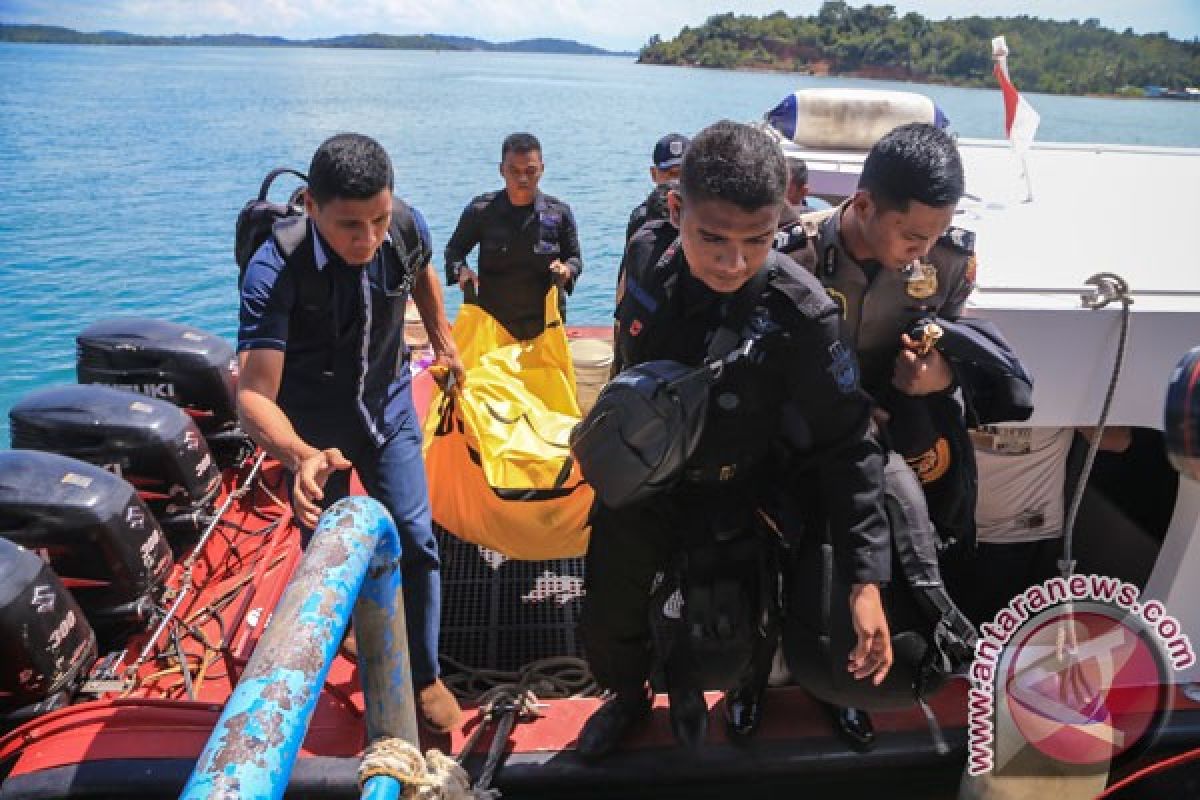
column 669, row 150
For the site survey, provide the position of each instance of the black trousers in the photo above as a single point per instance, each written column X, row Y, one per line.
column 627, row 550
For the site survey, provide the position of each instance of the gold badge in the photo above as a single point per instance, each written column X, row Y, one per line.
column 838, row 298
column 921, row 281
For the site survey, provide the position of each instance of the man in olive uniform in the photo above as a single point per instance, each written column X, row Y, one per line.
column 527, row 243
column 889, row 257
column 797, row 399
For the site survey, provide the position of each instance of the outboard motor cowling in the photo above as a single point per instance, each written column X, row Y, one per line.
column 150, row 443
column 187, row 366
column 46, row 644
column 95, row 531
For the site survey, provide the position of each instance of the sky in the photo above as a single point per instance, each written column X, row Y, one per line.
column 613, row 24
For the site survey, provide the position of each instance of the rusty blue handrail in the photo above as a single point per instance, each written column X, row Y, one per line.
column 354, row 555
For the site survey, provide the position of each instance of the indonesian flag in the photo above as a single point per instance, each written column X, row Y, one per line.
column 1020, row 120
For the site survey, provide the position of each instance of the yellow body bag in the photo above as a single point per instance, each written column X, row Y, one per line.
column 496, row 452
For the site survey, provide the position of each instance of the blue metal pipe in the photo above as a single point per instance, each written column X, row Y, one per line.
column 255, row 742
column 382, row 787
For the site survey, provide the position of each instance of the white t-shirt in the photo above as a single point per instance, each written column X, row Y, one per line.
column 1022, row 472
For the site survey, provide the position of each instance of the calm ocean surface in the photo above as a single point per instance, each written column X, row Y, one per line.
column 122, row 169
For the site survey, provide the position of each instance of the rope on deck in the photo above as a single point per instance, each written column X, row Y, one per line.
column 434, row 776
column 553, row 677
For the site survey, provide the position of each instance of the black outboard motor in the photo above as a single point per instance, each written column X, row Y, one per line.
column 150, row 443
column 189, row 367
column 46, row 644
column 95, row 531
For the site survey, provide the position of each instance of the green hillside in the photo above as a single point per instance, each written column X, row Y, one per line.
column 873, row 41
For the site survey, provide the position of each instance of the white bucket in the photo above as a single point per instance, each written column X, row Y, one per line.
column 593, row 361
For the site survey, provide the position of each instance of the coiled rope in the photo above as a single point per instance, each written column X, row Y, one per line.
column 434, row 776
column 553, row 677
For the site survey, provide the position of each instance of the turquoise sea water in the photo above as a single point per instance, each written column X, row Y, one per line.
column 122, row 169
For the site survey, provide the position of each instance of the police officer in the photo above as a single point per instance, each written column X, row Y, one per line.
column 527, row 242
column 664, row 171
column 801, row 389
column 889, row 257
column 320, row 336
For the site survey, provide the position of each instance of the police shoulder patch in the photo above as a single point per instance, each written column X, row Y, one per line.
column 969, row 272
column 842, row 367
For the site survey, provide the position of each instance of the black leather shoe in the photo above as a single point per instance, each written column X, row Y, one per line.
column 689, row 717
column 743, row 712
column 608, row 725
column 854, row 726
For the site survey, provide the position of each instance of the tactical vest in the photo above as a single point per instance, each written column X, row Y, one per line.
column 745, row 402
column 514, row 273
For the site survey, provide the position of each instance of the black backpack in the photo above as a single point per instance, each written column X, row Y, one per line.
column 931, row 638
column 260, row 218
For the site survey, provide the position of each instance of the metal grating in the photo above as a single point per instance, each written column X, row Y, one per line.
column 506, row 614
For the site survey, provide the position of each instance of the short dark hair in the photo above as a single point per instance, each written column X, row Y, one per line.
column 350, row 166
column 797, row 171
column 520, row 143
column 735, row 163
column 914, row 162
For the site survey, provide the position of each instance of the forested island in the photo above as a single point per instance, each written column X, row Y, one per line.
column 873, row 41
column 49, row 34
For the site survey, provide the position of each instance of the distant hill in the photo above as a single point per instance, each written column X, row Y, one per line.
column 48, row 34
column 873, row 41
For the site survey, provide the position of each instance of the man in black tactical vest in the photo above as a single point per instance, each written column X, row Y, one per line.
column 795, row 398
column 324, row 381
column 527, row 243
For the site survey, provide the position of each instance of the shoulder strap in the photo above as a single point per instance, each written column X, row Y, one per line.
column 737, row 312
column 409, row 243
column 290, row 236
column 272, row 175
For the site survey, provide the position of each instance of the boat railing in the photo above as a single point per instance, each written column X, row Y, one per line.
column 352, row 564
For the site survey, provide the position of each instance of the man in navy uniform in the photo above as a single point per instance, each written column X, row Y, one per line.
column 324, row 382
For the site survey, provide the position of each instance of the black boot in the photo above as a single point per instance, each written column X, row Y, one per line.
column 743, row 712
column 689, row 717
column 608, row 724
column 853, row 725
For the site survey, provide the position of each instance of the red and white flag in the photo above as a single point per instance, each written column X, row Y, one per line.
column 1020, row 120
